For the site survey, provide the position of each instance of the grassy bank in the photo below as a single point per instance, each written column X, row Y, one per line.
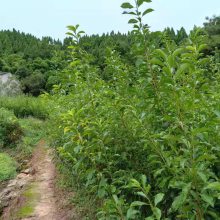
column 7, row 167
column 25, row 106
column 21, row 127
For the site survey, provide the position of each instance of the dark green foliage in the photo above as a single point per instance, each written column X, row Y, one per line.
column 96, row 46
column 181, row 35
column 178, row 37
column 10, row 130
column 30, row 59
column 15, row 42
column 34, row 84
column 22, row 72
column 212, row 26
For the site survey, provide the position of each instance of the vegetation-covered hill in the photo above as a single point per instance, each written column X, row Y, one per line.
column 32, row 60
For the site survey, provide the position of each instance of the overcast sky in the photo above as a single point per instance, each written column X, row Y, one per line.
column 50, row 17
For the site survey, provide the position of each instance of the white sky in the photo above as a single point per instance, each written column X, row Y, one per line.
column 50, row 17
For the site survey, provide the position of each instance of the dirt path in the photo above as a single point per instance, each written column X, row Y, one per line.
column 44, row 170
column 39, row 200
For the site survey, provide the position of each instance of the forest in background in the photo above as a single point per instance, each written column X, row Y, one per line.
column 38, row 63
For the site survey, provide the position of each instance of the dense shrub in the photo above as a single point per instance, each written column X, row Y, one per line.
column 24, row 106
column 145, row 143
column 34, row 84
column 10, row 130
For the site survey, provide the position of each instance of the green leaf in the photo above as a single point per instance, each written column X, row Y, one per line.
column 138, row 203
column 69, row 33
column 115, row 197
column 101, row 193
column 217, row 113
column 147, row 189
column 129, row 13
column 81, row 32
column 203, row 176
column 158, row 198
column 202, row 47
column 184, row 68
column 127, row 5
column 134, row 183
column 204, row 61
column 71, row 28
column 156, row 61
column 143, row 180
column 209, row 199
column 214, row 186
column 131, row 213
column 133, row 21
column 140, row 2
column 161, row 53
column 136, row 26
column 180, row 200
column 178, row 51
column 141, row 194
column 149, row 218
column 149, row 10
column 157, row 213
column 158, row 172
column 191, row 48
column 167, row 70
column 171, row 61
